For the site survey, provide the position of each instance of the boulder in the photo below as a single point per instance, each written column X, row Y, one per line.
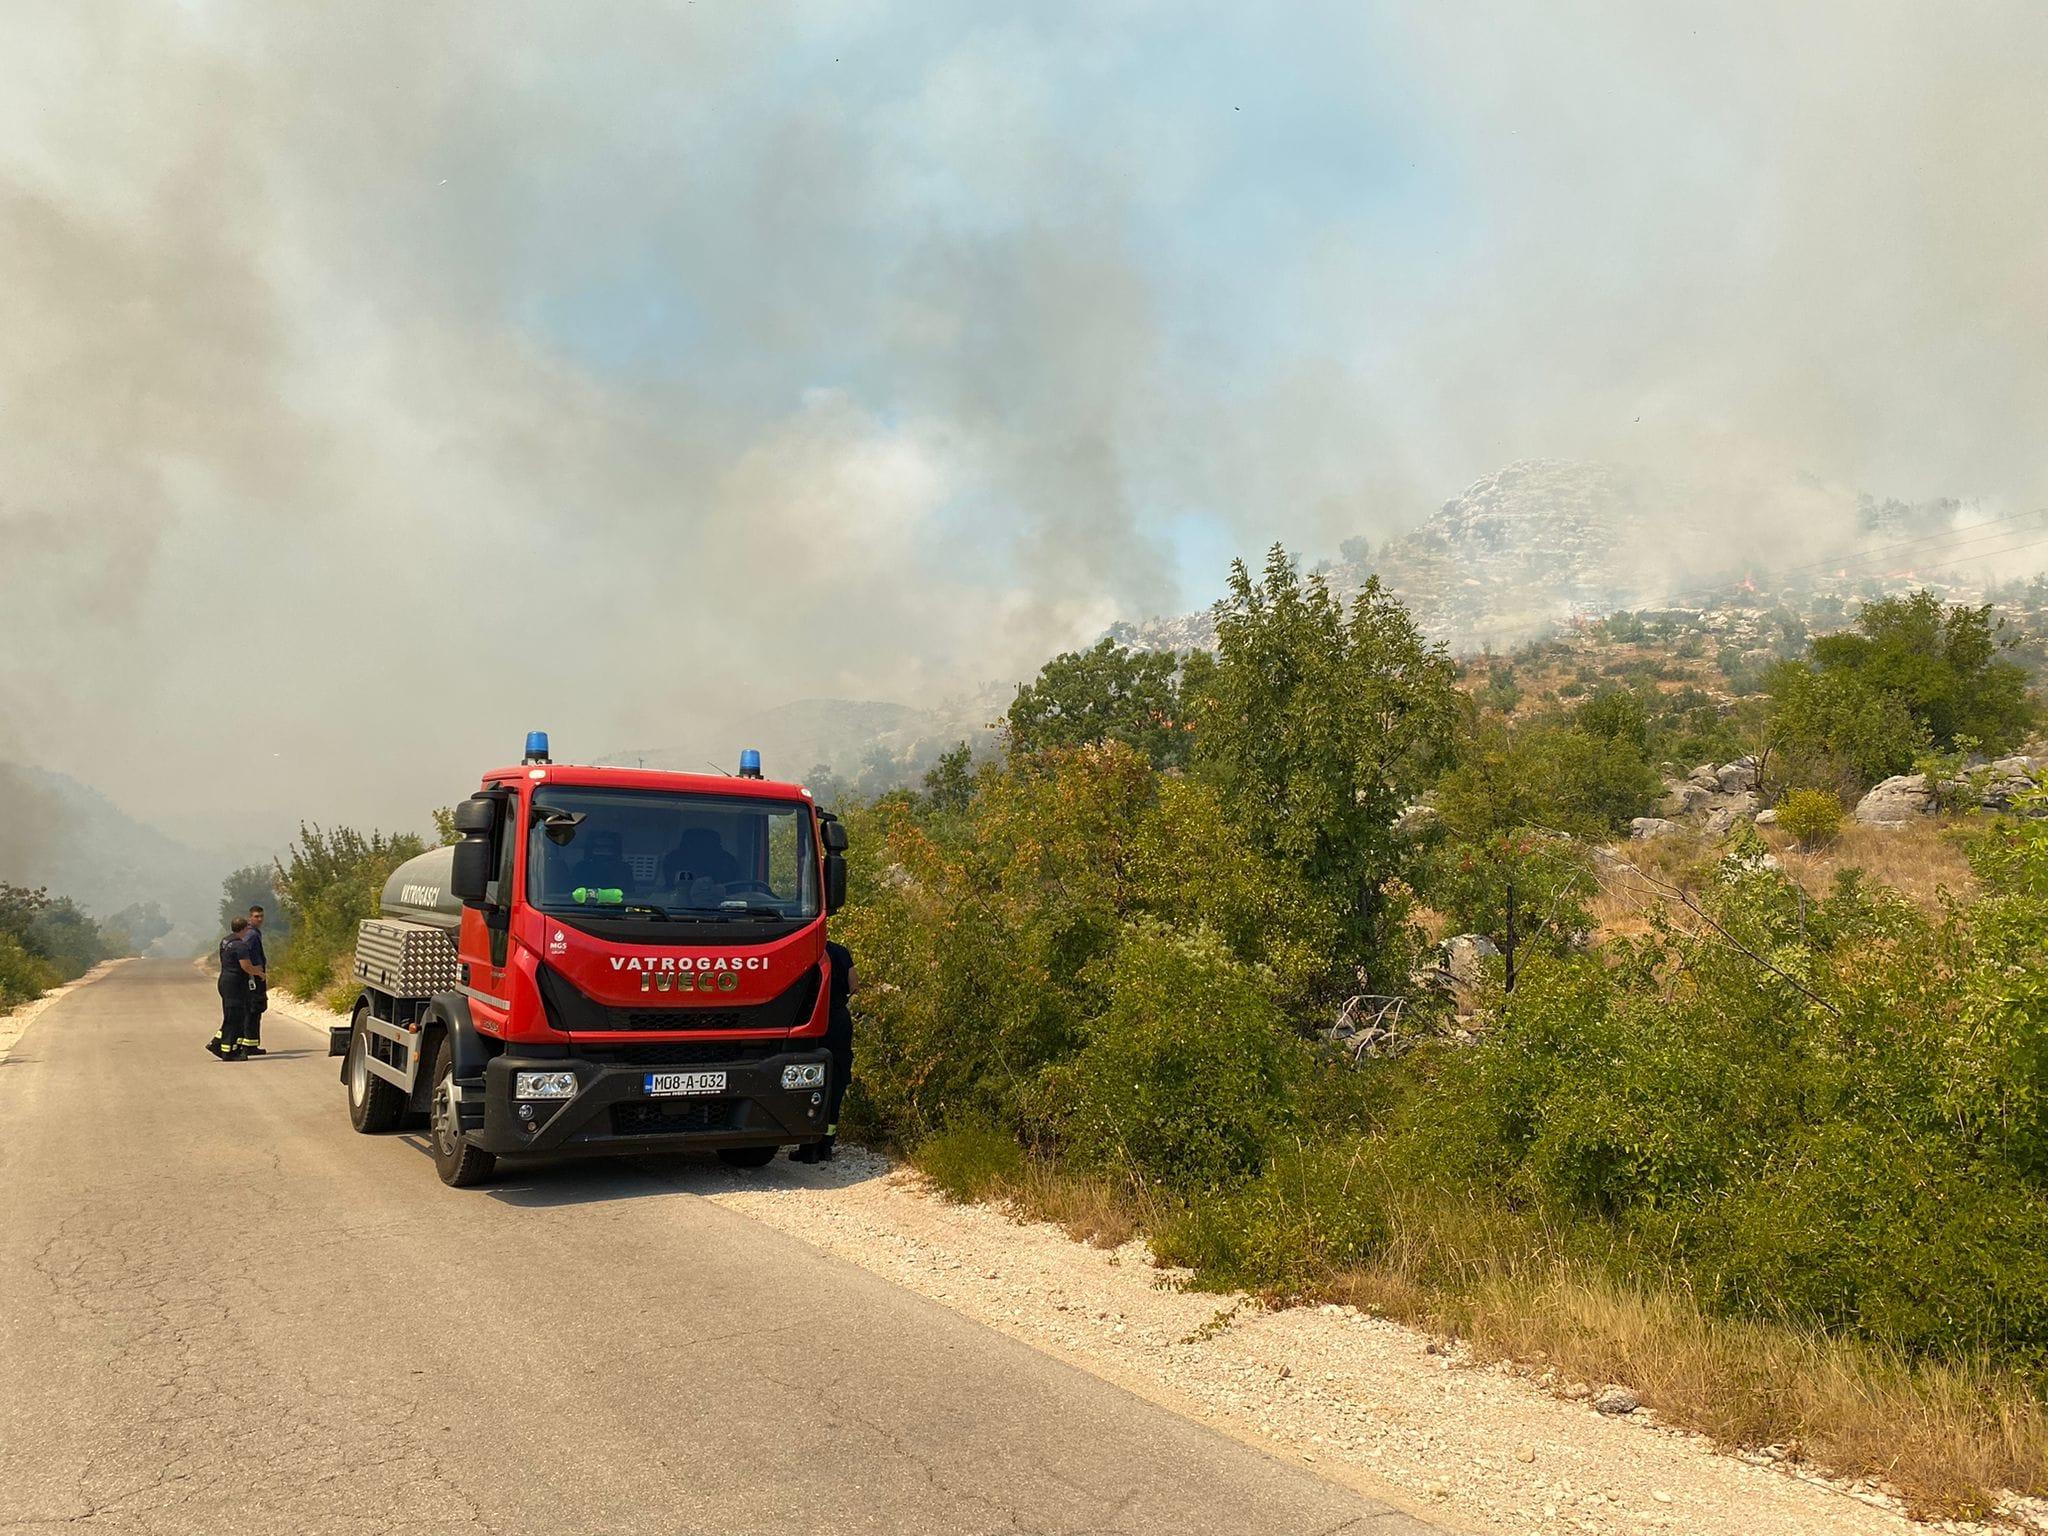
column 1707, row 776
column 1727, row 810
column 2000, row 785
column 1896, row 801
column 1738, row 777
column 1648, row 828
column 1415, row 820
column 1465, row 957
column 1685, row 799
column 1767, row 818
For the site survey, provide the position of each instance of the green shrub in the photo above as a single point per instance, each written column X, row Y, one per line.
column 1190, row 1071
column 23, row 977
column 971, row 1161
column 1811, row 817
column 1313, row 1212
column 331, row 882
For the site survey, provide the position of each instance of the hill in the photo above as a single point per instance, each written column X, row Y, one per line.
column 60, row 833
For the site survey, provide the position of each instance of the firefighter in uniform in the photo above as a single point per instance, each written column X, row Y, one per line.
column 235, row 971
column 259, row 987
column 839, row 1041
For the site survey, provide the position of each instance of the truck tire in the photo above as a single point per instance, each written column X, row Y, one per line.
column 460, row 1165
column 374, row 1106
column 747, row 1157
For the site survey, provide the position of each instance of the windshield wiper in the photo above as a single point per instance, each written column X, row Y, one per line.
column 740, row 910
column 619, row 909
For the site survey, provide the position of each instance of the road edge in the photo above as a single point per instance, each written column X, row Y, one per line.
column 14, row 1025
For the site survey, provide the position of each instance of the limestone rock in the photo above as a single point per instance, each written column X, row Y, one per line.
column 1648, row 828
column 1896, row 801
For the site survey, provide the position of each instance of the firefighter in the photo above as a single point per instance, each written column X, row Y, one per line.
column 839, row 1041
column 259, row 986
column 234, row 992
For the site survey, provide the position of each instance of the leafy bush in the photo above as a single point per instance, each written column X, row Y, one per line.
column 1812, row 817
column 23, row 977
column 1189, row 1072
column 1315, row 1211
column 45, row 941
column 971, row 1161
column 330, row 883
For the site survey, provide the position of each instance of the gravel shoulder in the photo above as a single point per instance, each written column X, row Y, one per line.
column 1367, row 1402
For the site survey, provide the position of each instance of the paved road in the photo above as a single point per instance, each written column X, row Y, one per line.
column 221, row 1310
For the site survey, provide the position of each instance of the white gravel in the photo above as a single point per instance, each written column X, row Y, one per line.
column 1368, row 1402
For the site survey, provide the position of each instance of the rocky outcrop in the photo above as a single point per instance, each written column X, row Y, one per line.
column 1898, row 800
column 1647, row 829
column 2002, row 785
column 1712, row 797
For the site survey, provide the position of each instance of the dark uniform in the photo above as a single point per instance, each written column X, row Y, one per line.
column 839, row 1041
column 259, row 992
column 234, row 996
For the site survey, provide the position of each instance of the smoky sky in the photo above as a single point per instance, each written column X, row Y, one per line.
column 378, row 381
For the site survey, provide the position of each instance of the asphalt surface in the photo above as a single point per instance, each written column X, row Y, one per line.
column 221, row 1310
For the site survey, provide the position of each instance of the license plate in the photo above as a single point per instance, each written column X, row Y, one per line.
column 662, row 1085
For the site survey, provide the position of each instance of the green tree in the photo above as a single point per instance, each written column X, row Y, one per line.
column 1318, row 725
column 252, row 886
column 1107, row 693
column 1834, row 728
column 140, row 924
column 949, row 783
column 1506, row 862
column 329, row 882
column 1946, row 666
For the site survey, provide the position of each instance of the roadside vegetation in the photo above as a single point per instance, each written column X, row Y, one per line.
column 1755, row 1124
column 1772, row 1151
column 48, row 940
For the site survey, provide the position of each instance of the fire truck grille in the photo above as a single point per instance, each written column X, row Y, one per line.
column 693, row 1115
column 572, row 1012
column 682, row 1053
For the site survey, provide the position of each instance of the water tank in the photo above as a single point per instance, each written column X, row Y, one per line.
column 418, row 890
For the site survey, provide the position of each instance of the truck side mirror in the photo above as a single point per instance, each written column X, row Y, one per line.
column 479, row 813
column 835, row 881
column 832, row 832
column 474, row 861
column 470, row 878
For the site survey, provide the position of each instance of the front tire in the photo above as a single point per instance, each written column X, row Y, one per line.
column 460, row 1165
column 747, row 1157
column 374, row 1106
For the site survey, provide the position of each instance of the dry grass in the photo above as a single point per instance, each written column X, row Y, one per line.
column 973, row 1163
column 1947, row 1438
column 1923, row 861
column 1103, row 1212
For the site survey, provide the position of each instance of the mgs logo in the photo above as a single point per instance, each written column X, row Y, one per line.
column 559, row 943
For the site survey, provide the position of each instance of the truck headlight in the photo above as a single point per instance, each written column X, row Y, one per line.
column 543, row 1085
column 803, row 1074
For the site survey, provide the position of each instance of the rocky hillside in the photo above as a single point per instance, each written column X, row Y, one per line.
column 1542, row 542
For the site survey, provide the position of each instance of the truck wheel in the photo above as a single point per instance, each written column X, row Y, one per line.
column 459, row 1164
column 747, row 1157
column 373, row 1104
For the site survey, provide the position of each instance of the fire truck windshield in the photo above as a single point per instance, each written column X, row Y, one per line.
column 644, row 854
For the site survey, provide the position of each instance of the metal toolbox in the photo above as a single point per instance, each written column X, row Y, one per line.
column 406, row 959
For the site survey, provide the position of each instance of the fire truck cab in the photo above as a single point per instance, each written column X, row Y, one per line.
column 608, row 960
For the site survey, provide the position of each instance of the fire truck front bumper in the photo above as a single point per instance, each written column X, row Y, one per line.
column 565, row 1105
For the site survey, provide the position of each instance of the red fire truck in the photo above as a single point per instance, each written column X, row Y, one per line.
column 610, row 960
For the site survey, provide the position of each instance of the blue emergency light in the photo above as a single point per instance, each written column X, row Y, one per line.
column 750, row 763
column 536, row 746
